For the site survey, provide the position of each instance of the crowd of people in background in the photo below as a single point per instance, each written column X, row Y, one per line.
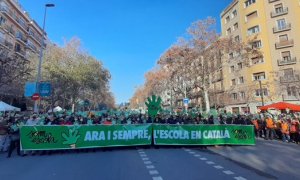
column 281, row 126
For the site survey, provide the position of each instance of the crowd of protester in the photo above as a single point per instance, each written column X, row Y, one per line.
column 283, row 126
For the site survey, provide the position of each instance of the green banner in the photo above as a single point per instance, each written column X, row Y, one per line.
column 203, row 135
column 71, row 137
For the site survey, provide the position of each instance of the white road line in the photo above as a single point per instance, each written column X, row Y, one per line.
column 153, row 172
column 141, row 152
column 187, row 150
column 228, row 172
column 150, row 167
column 203, row 159
column 147, row 162
column 191, row 152
column 197, row 155
column 145, row 159
column 218, row 167
column 157, row 178
column 240, row 178
column 143, row 155
column 210, row 162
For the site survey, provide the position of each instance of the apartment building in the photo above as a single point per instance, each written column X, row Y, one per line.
column 20, row 36
column 18, row 32
column 272, row 26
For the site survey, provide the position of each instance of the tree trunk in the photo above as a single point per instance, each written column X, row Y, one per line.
column 206, row 99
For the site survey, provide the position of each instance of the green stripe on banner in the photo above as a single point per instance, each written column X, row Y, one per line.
column 203, row 135
column 71, row 137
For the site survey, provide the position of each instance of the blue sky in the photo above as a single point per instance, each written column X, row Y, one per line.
column 128, row 36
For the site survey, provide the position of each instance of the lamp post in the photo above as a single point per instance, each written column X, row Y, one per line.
column 39, row 70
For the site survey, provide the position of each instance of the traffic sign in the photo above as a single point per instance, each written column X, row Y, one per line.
column 186, row 101
column 35, row 96
column 45, row 89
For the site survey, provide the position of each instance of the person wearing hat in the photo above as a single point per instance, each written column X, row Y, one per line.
column 270, row 128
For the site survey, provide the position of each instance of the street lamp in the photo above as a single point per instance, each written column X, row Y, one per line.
column 38, row 77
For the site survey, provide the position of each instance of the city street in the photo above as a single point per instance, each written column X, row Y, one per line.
column 266, row 160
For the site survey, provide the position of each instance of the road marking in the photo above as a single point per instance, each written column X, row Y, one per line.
column 145, row 159
column 240, row 178
column 228, row 172
column 153, row 172
column 203, row 159
column 147, row 162
column 191, row 152
column 141, row 152
column 143, row 155
column 218, row 167
column 210, row 162
column 187, row 150
column 150, row 167
column 197, row 155
column 157, row 178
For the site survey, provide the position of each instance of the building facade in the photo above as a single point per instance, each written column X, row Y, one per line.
column 20, row 36
column 272, row 27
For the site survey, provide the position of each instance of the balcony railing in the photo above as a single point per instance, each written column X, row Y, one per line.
column 8, row 44
column 290, row 79
column 279, row 12
column 284, row 44
column 282, row 28
column 21, row 38
column 31, row 47
column 289, row 61
column 270, row 1
column 20, row 52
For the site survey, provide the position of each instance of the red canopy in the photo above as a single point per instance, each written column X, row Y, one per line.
column 281, row 106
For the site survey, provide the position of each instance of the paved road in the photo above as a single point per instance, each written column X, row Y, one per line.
column 226, row 163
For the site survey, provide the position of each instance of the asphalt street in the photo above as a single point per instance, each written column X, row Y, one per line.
column 164, row 163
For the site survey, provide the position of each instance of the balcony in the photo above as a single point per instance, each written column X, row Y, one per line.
column 270, row 1
column 283, row 62
column 290, row 79
column 21, row 39
column 32, row 47
column 283, row 28
column 279, row 12
column 20, row 52
column 217, row 77
column 284, row 44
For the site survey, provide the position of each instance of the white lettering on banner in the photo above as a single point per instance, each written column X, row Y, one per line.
column 216, row 134
column 131, row 134
column 171, row 134
column 195, row 134
column 94, row 136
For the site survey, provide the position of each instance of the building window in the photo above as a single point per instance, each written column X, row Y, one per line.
column 279, row 8
column 234, row 13
column 241, row 79
column 253, row 30
column 292, row 91
column 259, row 76
column 227, row 19
column 249, row 2
column 257, row 60
column 234, row 96
column 243, row 95
column 236, row 26
column 281, row 24
column 286, row 55
column 283, row 38
column 258, row 92
column 251, row 16
column 288, row 73
column 228, row 31
column 233, row 82
column 240, row 66
column 256, row 44
column 2, row 20
column 231, row 55
column 237, row 38
column 231, row 68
